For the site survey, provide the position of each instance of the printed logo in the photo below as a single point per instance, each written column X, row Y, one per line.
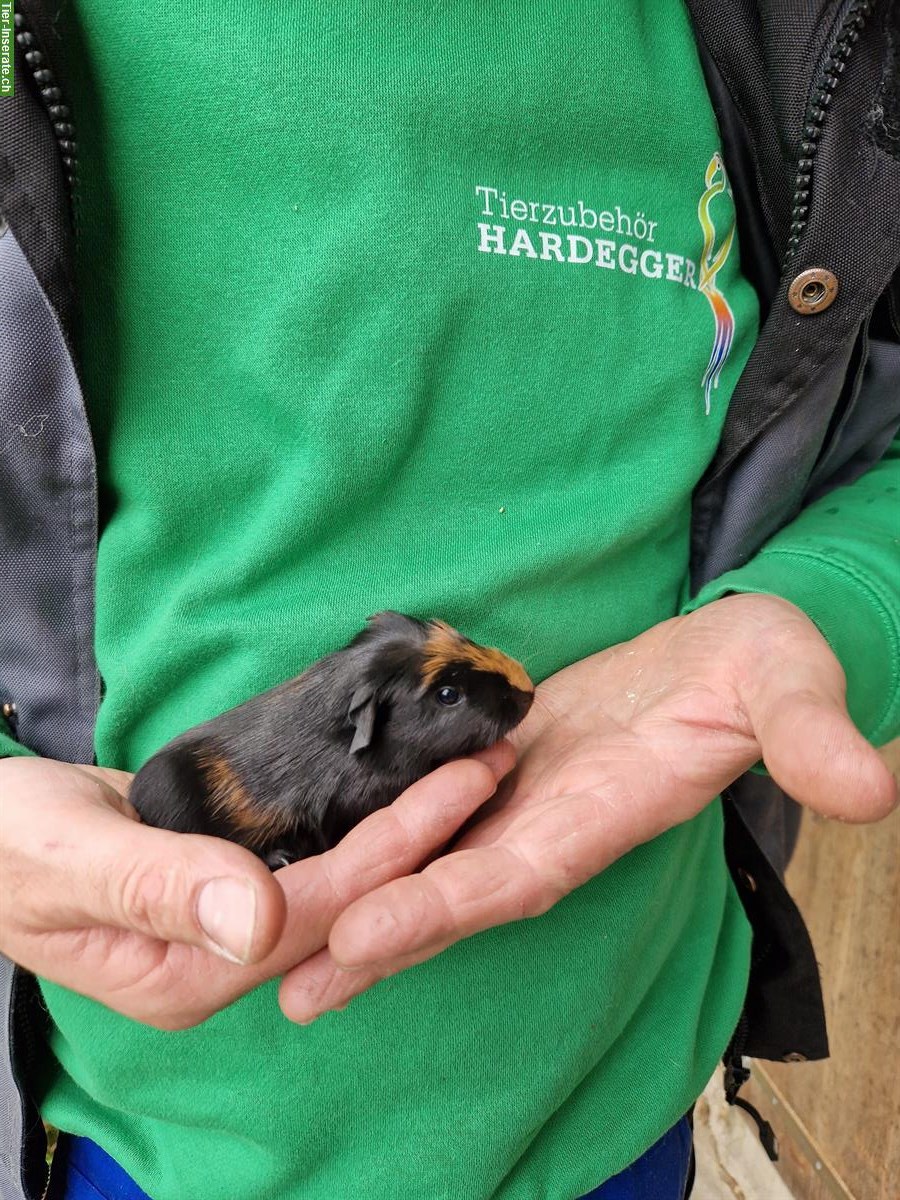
column 536, row 237
column 710, row 265
column 568, row 234
column 7, row 74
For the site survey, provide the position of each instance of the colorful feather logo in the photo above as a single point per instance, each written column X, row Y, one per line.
column 710, row 264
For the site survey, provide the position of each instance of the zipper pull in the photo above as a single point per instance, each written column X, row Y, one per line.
column 736, row 1075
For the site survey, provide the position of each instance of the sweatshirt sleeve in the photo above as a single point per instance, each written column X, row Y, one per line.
column 839, row 561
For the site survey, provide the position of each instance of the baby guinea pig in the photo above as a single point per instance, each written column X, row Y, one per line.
column 289, row 772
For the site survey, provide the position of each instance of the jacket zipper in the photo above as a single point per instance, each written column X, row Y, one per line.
column 52, row 97
column 64, row 134
column 844, row 39
column 22, row 1020
column 736, row 1075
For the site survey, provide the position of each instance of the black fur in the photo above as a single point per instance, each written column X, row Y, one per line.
column 321, row 752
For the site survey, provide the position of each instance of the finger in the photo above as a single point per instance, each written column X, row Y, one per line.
column 173, row 986
column 816, row 754
column 119, row 780
column 796, row 702
column 116, row 786
column 172, row 990
column 500, row 758
column 211, row 893
column 391, row 842
column 319, row 985
column 108, row 870
column 506, row 870
column 456, row 896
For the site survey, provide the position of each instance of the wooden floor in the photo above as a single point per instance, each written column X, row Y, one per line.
column 841, row 1117
column 838, row 1121
column 731, row 1163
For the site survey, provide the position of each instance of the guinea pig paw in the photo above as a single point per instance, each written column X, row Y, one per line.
column 279, row 858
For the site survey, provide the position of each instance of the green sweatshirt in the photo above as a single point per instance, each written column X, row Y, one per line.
column 398, row 306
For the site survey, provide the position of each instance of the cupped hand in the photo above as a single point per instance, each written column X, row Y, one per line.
column 618, row 748
column 168, row 928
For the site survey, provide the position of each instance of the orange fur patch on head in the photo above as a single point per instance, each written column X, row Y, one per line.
column 230, row 801
column 445, row 645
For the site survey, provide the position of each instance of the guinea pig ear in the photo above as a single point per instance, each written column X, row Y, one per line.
column 361, row 715
column 399, row 624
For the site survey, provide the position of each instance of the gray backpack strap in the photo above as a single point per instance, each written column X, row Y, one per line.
column 48, row 524
column 48, row 515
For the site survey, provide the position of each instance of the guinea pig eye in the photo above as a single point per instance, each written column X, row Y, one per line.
column 449, row 695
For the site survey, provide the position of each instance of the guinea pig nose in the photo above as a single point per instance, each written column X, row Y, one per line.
column 519, row 704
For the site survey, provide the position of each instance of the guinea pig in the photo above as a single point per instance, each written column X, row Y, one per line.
column 289, row 772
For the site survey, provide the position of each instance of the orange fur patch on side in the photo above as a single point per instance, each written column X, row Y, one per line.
column 231, row 801
column 445, row 645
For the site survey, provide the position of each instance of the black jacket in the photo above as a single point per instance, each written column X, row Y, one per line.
column 807, row 97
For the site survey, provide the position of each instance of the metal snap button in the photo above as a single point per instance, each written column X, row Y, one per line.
column 813, row 291
column 746, row 879
column 794, row 1056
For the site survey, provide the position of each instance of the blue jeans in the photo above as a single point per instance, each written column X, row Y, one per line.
column 90, row 1174
column 660, row 1174
column 665, row 1172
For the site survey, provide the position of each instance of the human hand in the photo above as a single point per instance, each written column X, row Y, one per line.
column 127, row 914
column 617, row 749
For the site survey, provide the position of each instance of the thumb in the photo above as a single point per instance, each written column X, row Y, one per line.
column 202, row 891
column 813, row 750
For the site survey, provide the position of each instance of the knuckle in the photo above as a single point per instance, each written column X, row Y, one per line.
column 544, row 878
column 336, row 885
column 147, row 892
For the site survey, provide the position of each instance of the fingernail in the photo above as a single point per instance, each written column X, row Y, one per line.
column 226, row 912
